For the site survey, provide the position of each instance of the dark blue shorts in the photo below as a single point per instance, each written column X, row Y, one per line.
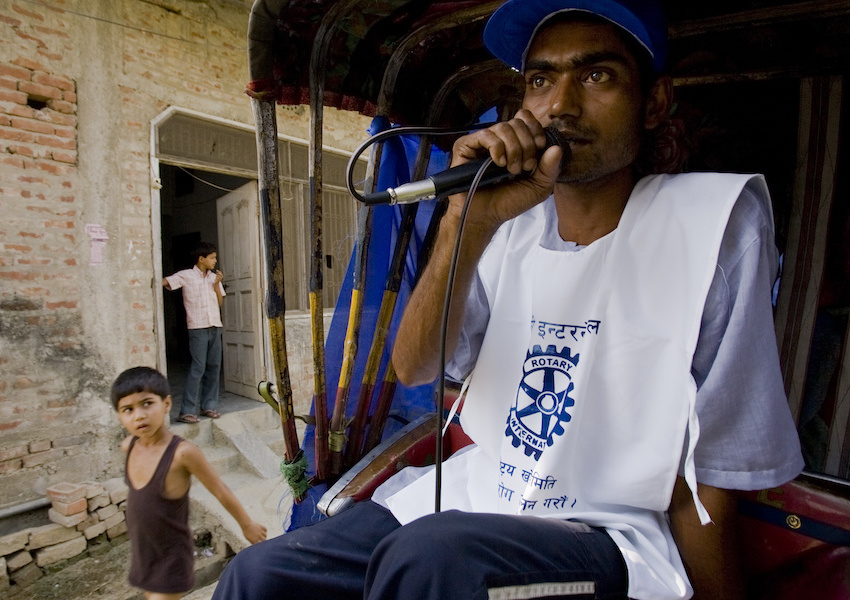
column 363, row 553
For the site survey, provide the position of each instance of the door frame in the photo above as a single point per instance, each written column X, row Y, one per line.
column 156, row 220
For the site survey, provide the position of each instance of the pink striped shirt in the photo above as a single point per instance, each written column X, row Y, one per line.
column 199, row 297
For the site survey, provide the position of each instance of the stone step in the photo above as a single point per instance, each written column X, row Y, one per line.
column 267, row 501
column 223, row 459
column 245, row 448
column 199, row 433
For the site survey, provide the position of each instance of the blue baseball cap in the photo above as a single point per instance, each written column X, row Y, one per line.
column 512, row 27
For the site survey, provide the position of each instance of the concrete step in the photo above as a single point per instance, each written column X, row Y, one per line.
column 245, row 448
column 223, row 459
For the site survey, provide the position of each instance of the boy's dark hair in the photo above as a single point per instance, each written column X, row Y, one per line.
column 203, row 249
column 139, row 379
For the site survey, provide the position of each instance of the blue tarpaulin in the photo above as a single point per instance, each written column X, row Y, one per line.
column 408, row 403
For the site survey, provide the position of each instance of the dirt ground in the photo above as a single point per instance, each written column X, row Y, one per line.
column 105, row 578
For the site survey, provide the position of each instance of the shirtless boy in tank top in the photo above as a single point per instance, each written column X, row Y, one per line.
column 158, row 471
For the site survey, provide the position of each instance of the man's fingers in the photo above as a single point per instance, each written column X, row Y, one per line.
column 513, row 144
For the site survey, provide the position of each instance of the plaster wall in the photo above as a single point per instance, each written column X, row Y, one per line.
column 80, row 82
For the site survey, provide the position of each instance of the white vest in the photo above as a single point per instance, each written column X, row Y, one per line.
column 582, row 395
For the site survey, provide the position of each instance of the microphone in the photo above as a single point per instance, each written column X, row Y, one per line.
column 458, row 179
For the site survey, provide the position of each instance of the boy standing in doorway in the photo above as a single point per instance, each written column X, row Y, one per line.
column 203, row 295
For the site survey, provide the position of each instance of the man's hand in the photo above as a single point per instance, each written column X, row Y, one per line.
column 517, row 146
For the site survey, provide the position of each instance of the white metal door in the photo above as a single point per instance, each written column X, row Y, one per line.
column 238, row 252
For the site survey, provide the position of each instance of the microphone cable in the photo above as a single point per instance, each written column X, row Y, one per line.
column 440, row 384
column 395, row 131
column 444, row 326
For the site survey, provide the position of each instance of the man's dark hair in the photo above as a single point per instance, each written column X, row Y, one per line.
column 203, row 249
column 136, row 380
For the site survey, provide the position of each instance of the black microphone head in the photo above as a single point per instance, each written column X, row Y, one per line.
column 555, row 138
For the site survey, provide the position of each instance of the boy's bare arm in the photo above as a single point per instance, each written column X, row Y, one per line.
column 195, row 462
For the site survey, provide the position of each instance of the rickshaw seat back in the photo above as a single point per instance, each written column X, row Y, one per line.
column 796, row 541
column 413, row 445
column 795, row 538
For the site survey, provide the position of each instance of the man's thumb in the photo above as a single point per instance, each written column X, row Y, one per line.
column 549, row 166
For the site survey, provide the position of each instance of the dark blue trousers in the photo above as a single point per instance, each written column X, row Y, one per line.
column 363, row 553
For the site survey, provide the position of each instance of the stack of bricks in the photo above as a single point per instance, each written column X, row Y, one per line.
column 87, row 520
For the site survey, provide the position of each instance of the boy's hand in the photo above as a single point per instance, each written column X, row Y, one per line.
column 254, row 532
column 218, row 276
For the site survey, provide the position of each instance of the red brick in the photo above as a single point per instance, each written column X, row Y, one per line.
column 52, row 56
column 29, row 64
column 66, row 520
column 21, row 110
column 30, row 38
column 17, row 276
column 40, row 445
column 29, row 179
column 58, row 82
column 23, row 383
column 14, row 161
column 59, row 224
column 70, row 97
column 61, row 106
column 52, row 167
column 8, row 84
column 65, row 132
column 58, row 118
column 32, row 125
column 57, row 142
column 65, row 157
column 13, row 452
column 68, row 401
column 10, row 21
column 10, row 466
column 13, row 96
column 15, row 72
column 40, row 90
column 39, row 262
column 62, row 304
column 71, row 508
column 39, row 458
column 25, row 151
column 17, row 135
column 27, row 13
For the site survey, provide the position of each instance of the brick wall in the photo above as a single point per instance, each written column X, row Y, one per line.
column 80, row 83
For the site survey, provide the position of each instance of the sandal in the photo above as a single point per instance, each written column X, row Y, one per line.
column 188, row 419
column 212, row 414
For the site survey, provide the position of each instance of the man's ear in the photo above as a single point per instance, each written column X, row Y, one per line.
column 658, row 102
